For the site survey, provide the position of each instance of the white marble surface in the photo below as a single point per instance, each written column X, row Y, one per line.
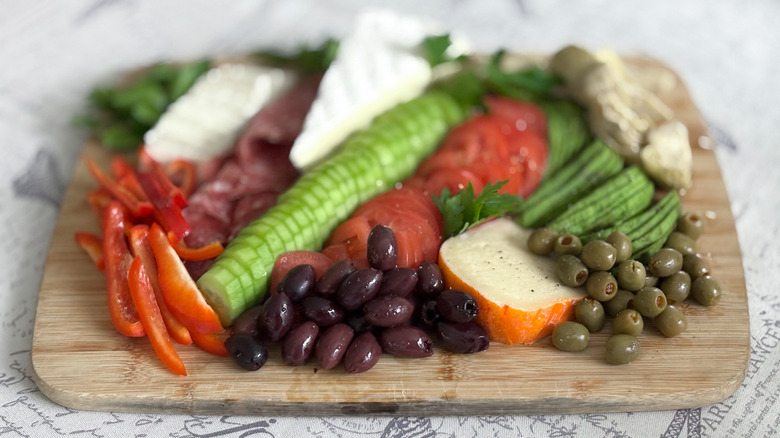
column 53, row 53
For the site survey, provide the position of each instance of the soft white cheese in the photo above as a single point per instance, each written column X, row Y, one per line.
column 376, row 68
column 494, row 259
column 206, row 121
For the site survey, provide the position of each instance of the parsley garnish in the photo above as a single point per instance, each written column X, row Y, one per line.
column 463, row 210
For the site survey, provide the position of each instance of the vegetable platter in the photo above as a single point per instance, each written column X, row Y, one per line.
column 81, row 362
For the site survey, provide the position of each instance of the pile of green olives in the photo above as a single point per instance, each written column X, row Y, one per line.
column 630, row 291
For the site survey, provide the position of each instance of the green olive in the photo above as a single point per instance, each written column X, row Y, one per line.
column 665, row 262
column 622, row 349
column 590, row 313
column 651, row 280
column 598, row 255
column 601, row 285
column 631, row 275
column 671, row 322
column 570, row 270
column 570, row 336
column 676, row 287
column 622, row 245
column 623, row 299
column 706, row 290
column 691, row 224
column 567, row 244
column 681, row 242
column 696, row 265
column 650, row 301
column 629, row 322
column 541, row 241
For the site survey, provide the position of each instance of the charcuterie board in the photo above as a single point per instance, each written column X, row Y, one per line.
column 81, row 362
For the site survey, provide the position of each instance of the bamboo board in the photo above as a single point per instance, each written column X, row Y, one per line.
column 81, row 362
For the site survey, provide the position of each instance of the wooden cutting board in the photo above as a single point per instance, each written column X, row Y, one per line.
column 81, row 362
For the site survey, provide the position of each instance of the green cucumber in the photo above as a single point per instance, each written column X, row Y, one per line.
column 637, row 225
column 662, row 227
column 618, row 198
column 585, row 171
column 366, row 164
column 567, row 132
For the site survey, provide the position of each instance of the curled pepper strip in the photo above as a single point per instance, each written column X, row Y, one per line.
column 139, row 242
column 121, row 309
column 167, row 212
column 149, row 311
column 181, row 294
column 208, row 251
column 162, row 176
column 137, row 207
column 93, row 246
column 184, row 173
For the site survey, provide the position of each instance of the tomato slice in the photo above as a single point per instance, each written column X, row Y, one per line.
column 525, row 115
column 480, row 136
column 406, row 198
column 337, row 252
column 319, row 261
column 455, row 179
column 418, row 241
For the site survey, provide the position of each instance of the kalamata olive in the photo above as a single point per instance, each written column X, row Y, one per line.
column 567, row 244
column 358, row 323
column 570, row 336
column 542, row 241
column 456, row 306
column 246, row 323
column 382, row 248
column 570, row 270
column 323, row 311
column 406, row 341
column 665, row 262
column 298, row 282
column 398, row 281
column 466, row 337
column 622, row 244
column 388, row 310
column 332, row 345
column 299, row 343
column 359, row 287
column 621, row 349
column 248, row 351
column 427, row 313
column 278, row 316
column 598, row 255
column 362, row 354
column 330, row 281
column 590, row 313
column 430, row 280
column 696, row 266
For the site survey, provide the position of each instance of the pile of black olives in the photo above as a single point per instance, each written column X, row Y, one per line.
column 628, row 290
column 351, row 316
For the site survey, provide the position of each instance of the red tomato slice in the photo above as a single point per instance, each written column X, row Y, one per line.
column 480, row 136
column 454, row 179
column 336, row 252
column 319, row 261
column 409, row 251
column 422, row 245
column 409, row 199
column 524, row 115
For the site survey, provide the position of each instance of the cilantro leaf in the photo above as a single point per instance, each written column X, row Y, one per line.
column 531, row 84
column 310, row 60
column 463, row 210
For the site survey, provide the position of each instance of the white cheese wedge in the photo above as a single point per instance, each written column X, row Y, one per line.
column 376, row 68
column 519, row 293
column 206, row 121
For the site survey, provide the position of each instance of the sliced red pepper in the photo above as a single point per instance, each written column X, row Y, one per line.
column 210, row 343
column 205, row 252
column 146, row 303
column 137, row 207
column 99, row 200
column 162, row 176
column 93, row 246
column 184, row 173
column 179, row 289
column 139, row 241
column 170, row 212
column 117, row 258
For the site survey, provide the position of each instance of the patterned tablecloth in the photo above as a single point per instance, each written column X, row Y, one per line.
column 54, row 52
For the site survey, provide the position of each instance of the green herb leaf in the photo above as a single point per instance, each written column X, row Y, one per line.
column 531, row 84
column 307, row 59
column 464, row 210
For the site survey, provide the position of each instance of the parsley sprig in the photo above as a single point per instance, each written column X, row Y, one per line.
column 463, row 210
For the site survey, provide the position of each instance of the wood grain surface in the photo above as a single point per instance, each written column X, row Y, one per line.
column 81, row 362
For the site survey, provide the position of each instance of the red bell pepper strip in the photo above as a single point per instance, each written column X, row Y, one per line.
column 117, row 258
column 139, row 242
column 184, row 173
column 137, row 207
column 170, row 212
column 162, row 176
column 99, row 200
column 179, row 289
column 205, row 252
column 210, row 343
column 146, row 303
column 93, row 246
